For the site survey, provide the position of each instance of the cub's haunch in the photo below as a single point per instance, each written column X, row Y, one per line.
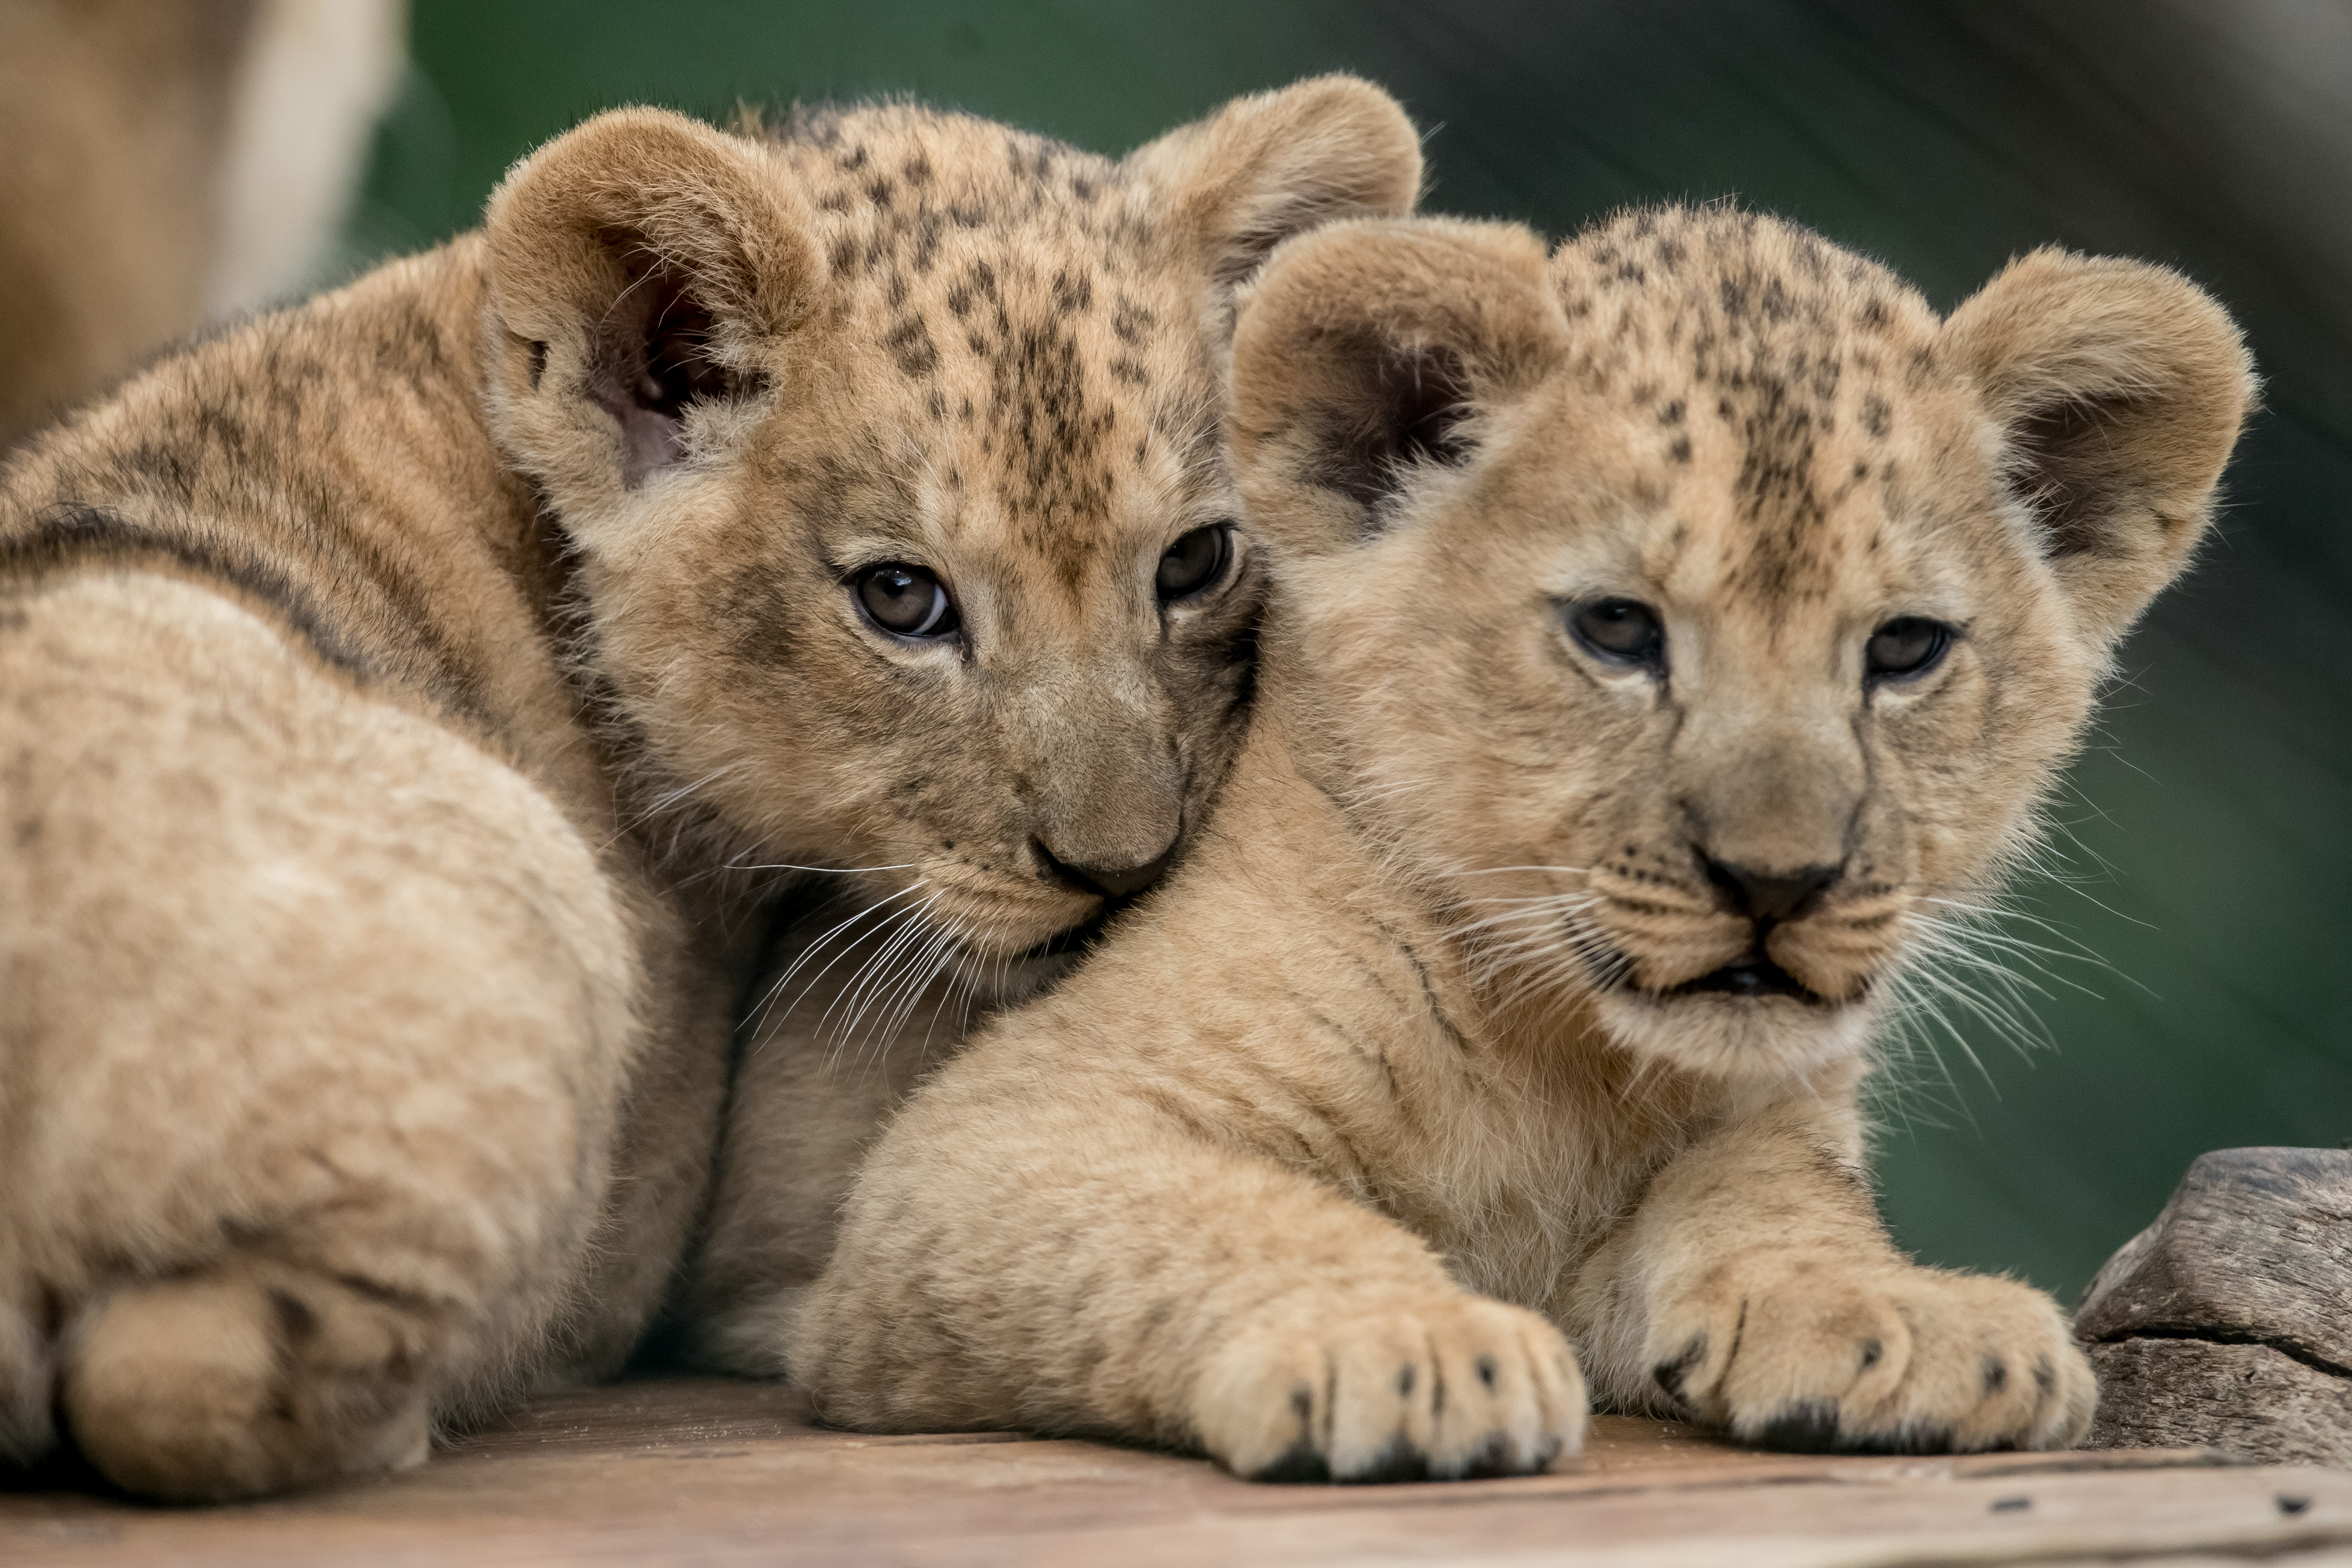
column 409, row 704
column 1664, row 641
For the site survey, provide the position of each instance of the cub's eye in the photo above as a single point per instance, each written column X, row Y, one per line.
column 1905, row 648
column 905, row 601
column 1619, row 631
column 1195, row 562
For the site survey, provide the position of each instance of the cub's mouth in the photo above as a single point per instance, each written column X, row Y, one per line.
column 1754, row 975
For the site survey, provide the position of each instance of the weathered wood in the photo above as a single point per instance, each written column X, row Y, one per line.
column 2265, row 1404
column 2227, row 1322
column 2256, row 1243
column 716, row 1473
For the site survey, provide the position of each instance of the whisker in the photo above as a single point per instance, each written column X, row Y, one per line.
column 834, row 870
column 809, row 951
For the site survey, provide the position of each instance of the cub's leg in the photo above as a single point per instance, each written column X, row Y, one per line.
column 1755, row 1289
column 1046, row 1248
column 831, row 1051
column 313, row 1023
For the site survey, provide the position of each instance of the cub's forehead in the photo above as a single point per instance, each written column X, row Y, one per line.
column 1013, row 325
column 1789, row 428
column 925, row 207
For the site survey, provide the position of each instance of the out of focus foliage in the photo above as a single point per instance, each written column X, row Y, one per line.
column 2207, row 835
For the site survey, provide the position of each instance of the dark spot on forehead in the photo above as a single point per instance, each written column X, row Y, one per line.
column 910, row 346
column 1131, row 321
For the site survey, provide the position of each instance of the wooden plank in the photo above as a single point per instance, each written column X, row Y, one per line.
column 710, row 1472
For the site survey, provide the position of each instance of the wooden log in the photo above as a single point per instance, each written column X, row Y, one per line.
column 2228, row 1322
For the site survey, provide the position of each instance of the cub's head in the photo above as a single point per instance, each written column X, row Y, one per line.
column 1697, row 612
column 887, row 449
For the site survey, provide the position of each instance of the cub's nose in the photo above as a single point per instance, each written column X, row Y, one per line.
column 1770, row 895
column 1111, row 882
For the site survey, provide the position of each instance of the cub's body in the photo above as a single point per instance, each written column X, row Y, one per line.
column 329, row 959
column 1665, row 640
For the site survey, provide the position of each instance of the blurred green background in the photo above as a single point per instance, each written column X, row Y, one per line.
column 2206, row 831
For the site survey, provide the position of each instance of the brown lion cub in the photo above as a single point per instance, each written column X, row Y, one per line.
column 400, row 697
column 1660, row 638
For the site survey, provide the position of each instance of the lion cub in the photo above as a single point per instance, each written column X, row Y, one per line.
column 1661, row 636
column 401, row 699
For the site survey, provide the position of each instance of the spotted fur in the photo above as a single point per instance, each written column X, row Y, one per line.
column 1517, row 997
column 405, row 699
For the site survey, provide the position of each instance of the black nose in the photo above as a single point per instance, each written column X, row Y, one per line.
column 1110, row 881
column 1770, row 895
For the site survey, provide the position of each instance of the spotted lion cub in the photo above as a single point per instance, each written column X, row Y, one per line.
column 1660, row 636
column 402, row 698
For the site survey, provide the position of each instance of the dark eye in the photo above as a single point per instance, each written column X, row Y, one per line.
column 905, row 601
column 1905, row 648
column 1619, row 631
column 1195, row 562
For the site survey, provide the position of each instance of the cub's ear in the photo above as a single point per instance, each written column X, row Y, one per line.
column 1266, row 167
column 644, row 271
column 2119, row 388
column 1367, row 354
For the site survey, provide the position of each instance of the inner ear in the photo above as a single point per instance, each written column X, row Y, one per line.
column 2068, row 472
column 654, row 357
column 1408, row 412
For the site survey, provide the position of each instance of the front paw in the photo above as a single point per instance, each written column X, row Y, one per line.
column 1442, row 1390
column 1818, row 1352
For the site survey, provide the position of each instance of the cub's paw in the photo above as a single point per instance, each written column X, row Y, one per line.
column 1818, row 1352
column 1438, row 1390
column 227, row 1385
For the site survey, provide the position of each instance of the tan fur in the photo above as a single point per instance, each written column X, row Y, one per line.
column 167, row 163
column 1398, row 1089
column 404, row 700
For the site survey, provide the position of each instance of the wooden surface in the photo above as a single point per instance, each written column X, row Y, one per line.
column 2228, row 1319
column 696, row 1471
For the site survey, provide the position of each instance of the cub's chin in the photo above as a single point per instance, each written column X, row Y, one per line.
column 1008, row 979
column 1751, row 1020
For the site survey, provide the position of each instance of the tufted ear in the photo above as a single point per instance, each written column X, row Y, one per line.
column 1368, row 351
column 2119, row 388
column 643, row 270
column 1266, row 167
